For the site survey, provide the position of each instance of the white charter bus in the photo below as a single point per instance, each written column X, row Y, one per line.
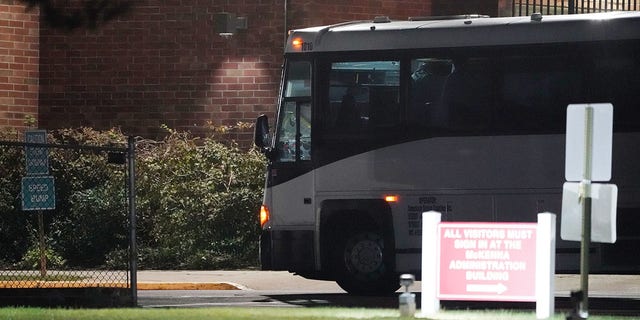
column 379, row 121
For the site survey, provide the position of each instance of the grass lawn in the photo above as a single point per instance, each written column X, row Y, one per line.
column 259, row 313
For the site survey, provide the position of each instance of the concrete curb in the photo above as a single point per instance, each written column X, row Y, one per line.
column 141, row 285
column 187, row 286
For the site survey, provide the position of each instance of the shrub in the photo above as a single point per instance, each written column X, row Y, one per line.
column 197, row 200
column 13, row 222
column 198, row 203
column 31, row 258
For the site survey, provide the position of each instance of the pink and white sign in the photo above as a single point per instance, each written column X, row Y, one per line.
column 487, row 261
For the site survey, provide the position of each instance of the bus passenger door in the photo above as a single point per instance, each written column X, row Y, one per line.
column 291, row 174
column 291, row 177
column 290, row 195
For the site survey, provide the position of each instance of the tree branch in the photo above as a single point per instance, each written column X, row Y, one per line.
column 92, row 14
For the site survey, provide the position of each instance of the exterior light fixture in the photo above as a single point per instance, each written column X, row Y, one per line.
column 227, row 24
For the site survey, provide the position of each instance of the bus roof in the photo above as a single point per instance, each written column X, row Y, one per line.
column 383, row 34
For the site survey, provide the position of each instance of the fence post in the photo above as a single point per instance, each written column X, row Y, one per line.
column 133, row 253
column 42, row 246
column 572, row 7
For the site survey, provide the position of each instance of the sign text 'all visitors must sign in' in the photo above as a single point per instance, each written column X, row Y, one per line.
column 492, row 261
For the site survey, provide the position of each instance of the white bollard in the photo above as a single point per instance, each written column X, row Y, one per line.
column 407, row 304
column 407, row 300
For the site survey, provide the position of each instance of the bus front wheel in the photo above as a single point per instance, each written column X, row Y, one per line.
column 364, row 264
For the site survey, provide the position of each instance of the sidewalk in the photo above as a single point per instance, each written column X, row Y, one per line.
column 600, row 286
column 231, row 280
column 611, row 286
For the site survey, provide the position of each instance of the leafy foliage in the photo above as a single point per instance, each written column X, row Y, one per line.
column 197, row 203
column 197, row 200
column 86, row 13
column 31, row 258
column 13, row 240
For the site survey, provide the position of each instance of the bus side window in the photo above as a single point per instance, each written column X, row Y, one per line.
column 617, row 81
column 428, row 76
column 362, row 96
column 467, row 96
column 384, row 108
column 535, row 92
column 345, row 110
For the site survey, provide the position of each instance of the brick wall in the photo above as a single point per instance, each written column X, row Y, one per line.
column 163, row 63
column 19, row 41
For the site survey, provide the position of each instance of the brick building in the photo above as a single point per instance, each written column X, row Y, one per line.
column 19, row 64
column 163, row 62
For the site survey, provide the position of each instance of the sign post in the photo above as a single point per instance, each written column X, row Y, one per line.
column 585, row 186
column 588, row 158
column 545, row 265
column 430, row 302
column 38, row 188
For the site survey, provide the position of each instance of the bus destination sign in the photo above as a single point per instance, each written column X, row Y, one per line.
column 487, row 261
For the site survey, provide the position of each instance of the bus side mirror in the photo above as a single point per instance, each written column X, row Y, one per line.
column 261, row 133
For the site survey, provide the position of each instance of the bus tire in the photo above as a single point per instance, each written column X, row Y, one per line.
column 364, row 265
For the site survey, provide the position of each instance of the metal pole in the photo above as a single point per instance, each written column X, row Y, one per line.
column 41, row 244
column 584, row 254
column 572, row 7
column 586, row 214
column 133, row 254
column 286, row 22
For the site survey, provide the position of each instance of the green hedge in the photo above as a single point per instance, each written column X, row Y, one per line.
column 197, row 203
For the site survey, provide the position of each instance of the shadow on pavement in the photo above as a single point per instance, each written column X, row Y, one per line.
column 607, row 306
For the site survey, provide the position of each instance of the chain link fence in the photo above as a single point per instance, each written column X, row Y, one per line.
column 67, row 220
